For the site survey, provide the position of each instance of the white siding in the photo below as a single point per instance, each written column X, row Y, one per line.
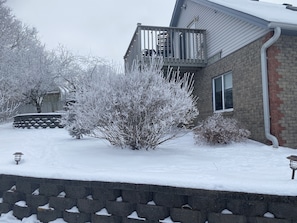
column 224, row 33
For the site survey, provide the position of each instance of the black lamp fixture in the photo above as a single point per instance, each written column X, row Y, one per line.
column 18, row 157
column 293, row 164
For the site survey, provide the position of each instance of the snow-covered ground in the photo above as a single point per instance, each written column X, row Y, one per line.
column 52, row 153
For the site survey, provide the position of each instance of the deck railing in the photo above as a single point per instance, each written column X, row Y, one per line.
column 177, row 46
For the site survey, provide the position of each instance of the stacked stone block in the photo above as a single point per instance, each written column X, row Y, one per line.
column 104, row 202
column 37, row 121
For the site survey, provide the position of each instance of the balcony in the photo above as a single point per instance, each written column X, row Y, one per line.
column 179, row 47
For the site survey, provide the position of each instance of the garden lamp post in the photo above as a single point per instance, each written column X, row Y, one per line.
column 17, row 157
column 293, row 164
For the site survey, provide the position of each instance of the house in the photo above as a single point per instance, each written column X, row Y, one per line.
column 244, row 56
column 54, row 101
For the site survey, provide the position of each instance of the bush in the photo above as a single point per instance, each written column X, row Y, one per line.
column 139, row 110
column 73, row 125
column 219, row 130
column 8, row 106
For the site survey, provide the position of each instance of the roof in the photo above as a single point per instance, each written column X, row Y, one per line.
column 260, row 13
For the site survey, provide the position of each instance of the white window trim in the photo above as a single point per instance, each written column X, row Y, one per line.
column 223, row 94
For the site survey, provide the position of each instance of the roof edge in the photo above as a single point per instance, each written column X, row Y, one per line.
column 176, row 12
column 285, row 26
column 229, row 11
column 234, row 13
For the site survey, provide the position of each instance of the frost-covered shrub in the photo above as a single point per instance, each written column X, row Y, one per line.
column 138, row 110
column 219, row 130
column 7, row 106
column 74, row 125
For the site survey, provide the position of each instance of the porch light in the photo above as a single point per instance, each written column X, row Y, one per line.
column 293, row 164
column 18, row 157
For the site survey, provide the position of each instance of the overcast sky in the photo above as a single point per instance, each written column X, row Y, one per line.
column 101, row 28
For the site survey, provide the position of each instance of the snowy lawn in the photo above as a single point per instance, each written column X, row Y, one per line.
column 52, row 153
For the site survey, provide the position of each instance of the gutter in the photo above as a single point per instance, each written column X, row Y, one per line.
column 284, row 26
column 266, row 108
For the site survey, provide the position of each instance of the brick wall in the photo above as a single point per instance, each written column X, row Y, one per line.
column 274, row 92
column 50, row 199
column 282, row 67
column 245, row 65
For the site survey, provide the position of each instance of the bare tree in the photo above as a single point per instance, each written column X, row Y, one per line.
column 25, row 66
column 71, row 69
column 36, row 77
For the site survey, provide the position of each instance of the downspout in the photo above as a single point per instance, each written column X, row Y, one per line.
column 266, row 109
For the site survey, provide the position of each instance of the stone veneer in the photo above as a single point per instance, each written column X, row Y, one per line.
column 50, row 199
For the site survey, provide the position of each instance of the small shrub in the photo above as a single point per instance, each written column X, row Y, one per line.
column 219, row 130
column 74, row 125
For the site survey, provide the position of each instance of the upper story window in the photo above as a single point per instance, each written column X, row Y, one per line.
column 223, row 92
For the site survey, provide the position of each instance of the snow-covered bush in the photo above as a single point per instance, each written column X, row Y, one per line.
column 7, row 106
column 74, row 126
column 219, row 130
column 138, row 110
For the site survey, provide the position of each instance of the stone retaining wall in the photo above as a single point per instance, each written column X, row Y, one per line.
column 45, row 120
column 106, row 202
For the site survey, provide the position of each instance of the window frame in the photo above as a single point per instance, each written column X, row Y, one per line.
column 222, row 76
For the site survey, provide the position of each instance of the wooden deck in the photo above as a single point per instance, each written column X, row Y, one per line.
column 177, row 46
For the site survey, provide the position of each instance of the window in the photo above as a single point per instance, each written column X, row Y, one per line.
column 222, row 92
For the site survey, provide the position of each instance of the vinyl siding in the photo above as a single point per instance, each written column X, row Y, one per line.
column 225, row 34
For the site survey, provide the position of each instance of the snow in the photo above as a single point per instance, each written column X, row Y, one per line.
column 21, row 204
column 12, row 189
column 52, row 153
column 134, row 215
column 168, row 220
column 46, row 207
column 268, row 11
column 73, row 210
column 103, row 212
column 268, row 215
column 119, row 199
column 62, row 194
column 226, row 211
column 90, row 197
column 36, row 192
column 9, row 218
column 151, row 203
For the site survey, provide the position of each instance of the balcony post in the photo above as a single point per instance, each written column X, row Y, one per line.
column 138, row 42
column 204, row 47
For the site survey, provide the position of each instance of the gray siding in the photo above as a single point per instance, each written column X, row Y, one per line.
column 51, row 103
column 220, row 28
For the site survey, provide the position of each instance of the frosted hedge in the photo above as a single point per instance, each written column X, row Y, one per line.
column 139, row 110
